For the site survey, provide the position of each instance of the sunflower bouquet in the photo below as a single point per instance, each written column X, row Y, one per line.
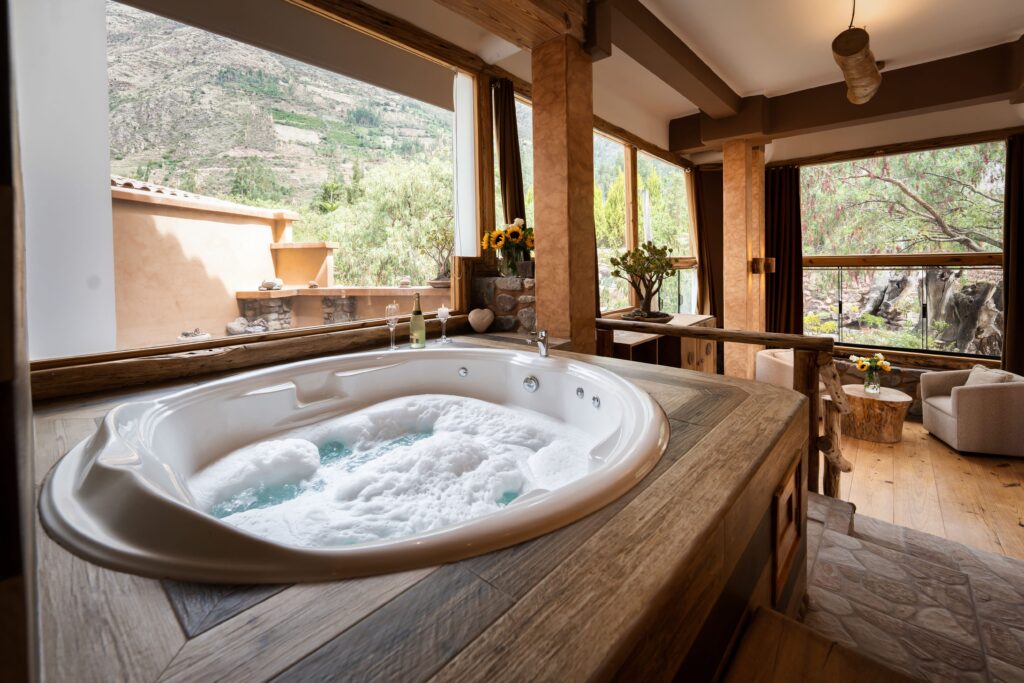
column 512, row 243
column 872, row 366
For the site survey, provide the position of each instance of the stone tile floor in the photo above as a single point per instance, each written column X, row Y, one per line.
column 930, row 607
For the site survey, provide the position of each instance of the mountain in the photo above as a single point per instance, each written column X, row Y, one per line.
column 189, row 108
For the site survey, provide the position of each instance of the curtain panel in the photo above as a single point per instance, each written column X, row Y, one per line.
column 1013, row 257
column 784, row 305
column 706, row 191
column 510, row 165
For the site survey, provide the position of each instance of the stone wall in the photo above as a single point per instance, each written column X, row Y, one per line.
column 338, row 309
column 277, row 312
column 512, row 299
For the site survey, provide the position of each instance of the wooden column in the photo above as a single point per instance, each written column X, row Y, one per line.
column 743, row 240
column 563, row 172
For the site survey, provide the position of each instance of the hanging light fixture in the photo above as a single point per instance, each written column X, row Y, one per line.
column 852, row 53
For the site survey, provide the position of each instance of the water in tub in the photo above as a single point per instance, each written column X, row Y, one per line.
column 395, row 469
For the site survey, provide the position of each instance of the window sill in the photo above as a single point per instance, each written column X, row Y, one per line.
column 78, row 375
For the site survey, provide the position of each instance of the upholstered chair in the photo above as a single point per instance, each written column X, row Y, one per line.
column 775, row 366
column 976, row 411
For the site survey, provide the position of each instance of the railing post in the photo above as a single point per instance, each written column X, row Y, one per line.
column 805, row 380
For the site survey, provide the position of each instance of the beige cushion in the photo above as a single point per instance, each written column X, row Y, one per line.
column 982, row 375
column 943, row 403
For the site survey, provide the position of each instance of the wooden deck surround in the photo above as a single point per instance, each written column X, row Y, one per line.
column 656, row 582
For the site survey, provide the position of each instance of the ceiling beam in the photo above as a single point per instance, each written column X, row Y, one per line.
column 988, row 75
column 642, row 36
column 527, row 23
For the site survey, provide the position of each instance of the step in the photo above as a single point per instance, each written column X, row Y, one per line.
column 836, row 515
column 776, row 648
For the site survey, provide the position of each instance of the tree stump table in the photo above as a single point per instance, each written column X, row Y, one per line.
column 875, row 417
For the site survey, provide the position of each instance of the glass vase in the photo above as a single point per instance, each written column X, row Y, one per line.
column 873, row 381
column 506, row 263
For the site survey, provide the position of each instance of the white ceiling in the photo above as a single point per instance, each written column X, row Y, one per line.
column 757, row 46
column 774, row 47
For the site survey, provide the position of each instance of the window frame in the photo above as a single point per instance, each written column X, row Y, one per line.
column 130, row 369
column 897, row 261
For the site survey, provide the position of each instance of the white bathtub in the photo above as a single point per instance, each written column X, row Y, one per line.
column 120, row 498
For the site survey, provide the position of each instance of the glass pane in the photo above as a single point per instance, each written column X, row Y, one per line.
column 965, row 310
column 882, row 307
column 944, row 200
column 679, row 292
column 821, row 302
column 233, row 137
column 610, row 218
column 664, row 210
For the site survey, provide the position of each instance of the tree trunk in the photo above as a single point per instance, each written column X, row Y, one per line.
column 647, row 302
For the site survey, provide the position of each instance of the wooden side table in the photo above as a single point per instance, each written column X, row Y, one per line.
column 875, row 417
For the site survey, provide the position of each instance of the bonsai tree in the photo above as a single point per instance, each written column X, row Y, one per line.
column 645, row 269
column 438, row 244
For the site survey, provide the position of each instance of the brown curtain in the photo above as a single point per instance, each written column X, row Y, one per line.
column 1013, row 257
column 707, row 201
column 784, row 305
column 510, row 166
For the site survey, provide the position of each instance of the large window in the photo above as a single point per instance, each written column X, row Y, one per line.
column 253, row 192
column 664, row 215
column 904, row 251
column 610, row 218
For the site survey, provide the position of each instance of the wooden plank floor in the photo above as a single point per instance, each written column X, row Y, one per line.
column 923, row 484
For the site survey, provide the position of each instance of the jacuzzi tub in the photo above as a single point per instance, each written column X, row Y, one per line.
column 121, row 498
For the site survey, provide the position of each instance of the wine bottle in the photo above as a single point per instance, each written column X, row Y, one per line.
column 417, row 327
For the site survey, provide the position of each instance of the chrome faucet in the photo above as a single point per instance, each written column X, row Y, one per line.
column 540, row 338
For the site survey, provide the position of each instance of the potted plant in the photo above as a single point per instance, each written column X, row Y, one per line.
column 438, row 244
column 645, row 269
column 512, row 244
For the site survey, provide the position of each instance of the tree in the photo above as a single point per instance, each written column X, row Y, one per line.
column 948, row 200
column 645, row 269
column 332, row 193
column 254, row 180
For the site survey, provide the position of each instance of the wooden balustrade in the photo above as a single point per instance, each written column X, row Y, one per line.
column 812, row 358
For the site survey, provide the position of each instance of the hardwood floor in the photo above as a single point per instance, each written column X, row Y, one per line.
column 923, row 484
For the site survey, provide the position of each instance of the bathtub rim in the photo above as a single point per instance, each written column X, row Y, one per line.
column 67, row 521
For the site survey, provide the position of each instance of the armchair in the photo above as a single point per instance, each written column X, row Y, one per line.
column 982, row 418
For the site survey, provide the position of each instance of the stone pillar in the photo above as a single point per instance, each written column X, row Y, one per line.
column 563, row 172
column 742, row 240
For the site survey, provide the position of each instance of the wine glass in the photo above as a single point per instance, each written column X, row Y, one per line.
column 443, row 314
column 391, row 313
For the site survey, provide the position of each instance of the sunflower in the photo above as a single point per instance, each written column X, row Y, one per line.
column 862, row 364
column 486, row 241
column 497, row 239
column 529, row 241
column 514, row 234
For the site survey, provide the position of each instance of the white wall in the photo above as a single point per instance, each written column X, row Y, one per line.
column 60, row 78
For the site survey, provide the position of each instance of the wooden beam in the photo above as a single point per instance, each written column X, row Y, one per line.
column 902, row 147
column 527, row 23
column 395, row 31
column 891, row 260
column 641, row 35
column 987, row 75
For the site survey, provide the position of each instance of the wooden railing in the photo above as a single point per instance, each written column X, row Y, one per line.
column 812, row 359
